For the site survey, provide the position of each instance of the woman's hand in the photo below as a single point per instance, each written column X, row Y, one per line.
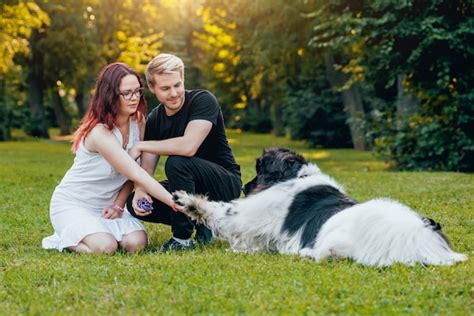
column 112, row 212
column 140, row 194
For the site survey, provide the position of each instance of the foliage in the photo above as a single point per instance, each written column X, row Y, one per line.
column 213, row 280
column 314, row 112
column 17, row 21
column 129, row 31
column 439, row 135
column 429, row 44
column 80, row 38
column 255, row 117
column 426, row 142
column 16, row 24
column 272, row 63
column 391, row 74
column 218, row 55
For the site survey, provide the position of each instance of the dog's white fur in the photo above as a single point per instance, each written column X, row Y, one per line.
column 378, row 233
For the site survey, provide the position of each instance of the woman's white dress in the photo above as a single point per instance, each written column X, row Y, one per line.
column 87, row 188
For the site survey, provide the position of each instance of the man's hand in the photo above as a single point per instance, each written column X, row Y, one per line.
column 134, row 152
column 140, row 194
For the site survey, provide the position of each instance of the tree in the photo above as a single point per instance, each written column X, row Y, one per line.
column 416, row 48
column 82, row 37
column 335, row 36
column 217, row 54
column 17, row 23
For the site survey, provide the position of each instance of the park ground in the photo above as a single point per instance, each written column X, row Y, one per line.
column 212, row 279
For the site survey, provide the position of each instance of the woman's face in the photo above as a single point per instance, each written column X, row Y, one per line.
column 130, row 92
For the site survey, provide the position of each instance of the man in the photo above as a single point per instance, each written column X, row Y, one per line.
column 188, row 127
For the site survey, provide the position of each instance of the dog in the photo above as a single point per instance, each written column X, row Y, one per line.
column 293, row 208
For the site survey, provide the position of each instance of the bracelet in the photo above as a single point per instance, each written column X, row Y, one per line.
column 118, row 208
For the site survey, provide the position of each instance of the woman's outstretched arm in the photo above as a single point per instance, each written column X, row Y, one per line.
column 103, row 141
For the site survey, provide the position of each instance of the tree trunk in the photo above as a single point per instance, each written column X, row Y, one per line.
column 83, row 96
column 62, row 117
column 4, row 113
column 406, row 103
column 81, row 108
column 38, row 126
column 351, row 101
column 354, row 108
column 278, row 125
column 38, row 123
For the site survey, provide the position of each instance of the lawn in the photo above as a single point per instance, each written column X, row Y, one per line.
column 213, row 280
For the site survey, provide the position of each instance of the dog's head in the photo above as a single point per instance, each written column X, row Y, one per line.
column 273, row 166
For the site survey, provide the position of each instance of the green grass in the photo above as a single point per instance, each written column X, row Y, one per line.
column 213, row 280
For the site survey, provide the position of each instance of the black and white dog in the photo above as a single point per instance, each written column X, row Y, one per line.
column 293, row 208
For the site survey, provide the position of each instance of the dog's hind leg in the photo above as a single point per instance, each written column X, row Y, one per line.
column 335, row 244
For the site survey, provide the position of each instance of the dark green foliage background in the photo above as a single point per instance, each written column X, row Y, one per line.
column 273, row 60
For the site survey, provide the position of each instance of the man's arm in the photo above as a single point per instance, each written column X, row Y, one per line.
column 148, row 162
column 187, row 145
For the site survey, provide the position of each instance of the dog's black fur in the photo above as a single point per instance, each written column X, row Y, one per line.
column 275, row 165
column 312, row 208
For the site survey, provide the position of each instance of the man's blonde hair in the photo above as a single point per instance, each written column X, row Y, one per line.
column 162, row 64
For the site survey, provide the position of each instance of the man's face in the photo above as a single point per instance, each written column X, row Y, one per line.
column 169, row 90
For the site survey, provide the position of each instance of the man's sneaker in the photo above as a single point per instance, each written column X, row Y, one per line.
column 174, row 245
column 203, row 234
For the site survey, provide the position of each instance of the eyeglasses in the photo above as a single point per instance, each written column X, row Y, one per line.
column 128, row 95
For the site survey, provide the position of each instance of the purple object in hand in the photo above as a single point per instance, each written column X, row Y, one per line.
column 145, row 205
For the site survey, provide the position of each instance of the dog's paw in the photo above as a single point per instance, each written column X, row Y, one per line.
column 182, row 199
column 185, row 200
column 315, row 254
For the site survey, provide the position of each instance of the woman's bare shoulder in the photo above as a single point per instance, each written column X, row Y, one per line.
column 96, row 137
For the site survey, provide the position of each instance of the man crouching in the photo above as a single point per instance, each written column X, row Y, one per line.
column 188, row 127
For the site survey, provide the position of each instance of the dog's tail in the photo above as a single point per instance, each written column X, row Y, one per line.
column 436, row 248
column 388, row 232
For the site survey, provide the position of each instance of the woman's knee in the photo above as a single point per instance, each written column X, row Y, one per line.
column 135, row 241
column 101, row 243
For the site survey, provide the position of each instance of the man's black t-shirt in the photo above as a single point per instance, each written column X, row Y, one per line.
column 198, row 105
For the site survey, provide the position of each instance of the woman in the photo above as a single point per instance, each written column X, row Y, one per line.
column 87, row 206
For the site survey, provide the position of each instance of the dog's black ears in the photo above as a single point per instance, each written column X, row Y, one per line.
column 267, row 150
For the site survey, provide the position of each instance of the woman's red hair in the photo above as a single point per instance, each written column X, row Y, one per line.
column 105, row 101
